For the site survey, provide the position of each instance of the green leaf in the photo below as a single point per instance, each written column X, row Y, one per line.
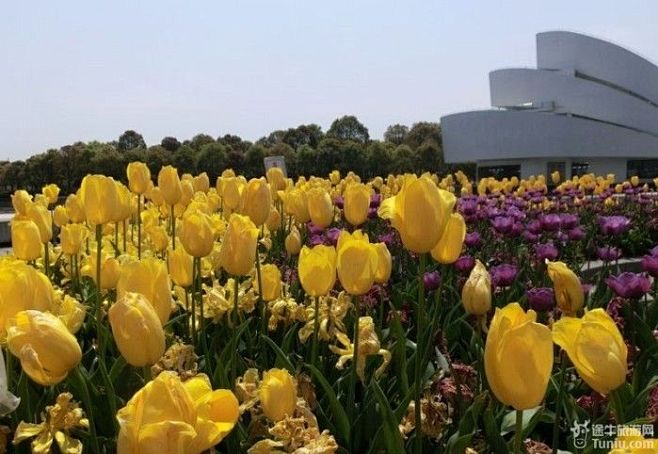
column 529, row 417
column 392, row 437
column 492, row 431
column 341, row 420
column 281, row 358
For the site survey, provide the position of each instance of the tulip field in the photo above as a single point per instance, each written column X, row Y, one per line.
column 413, row 313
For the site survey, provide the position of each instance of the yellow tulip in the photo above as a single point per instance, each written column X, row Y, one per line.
column 635, row 180
column 170, row 185
column 180, row 266
column 320, row 207
column 149, row 277
column 449, row 247
column 476, row 293
column 555, row 177
column 46, row 349
column 139, row 177
column 25, row 240
column 196, row 234
column 271, row 280
column 356, row 262
column 41, row 217
column 155, row 195
column 293, row 242
column 158, row 237
column 278, row 394
column 167, row 416
column 273, row 220
column 231, row 192
column 596, row 347
column 294, row 203
column 21, row 200
column 257, row 201
column 110, row 269
column 99, row 199
column 356, row 203
column 384, row 263
column 276, row 178
column 75, row 210
column 419, row 212
column 201, row 183
column 238, row 249
column 72, row 237
column 137, row 330
column 187, row 193
column 569, row 293
column 70, row 311
column 51, row 192
column 22, row 288
column 317, row 269
column 518, row 357
column 60, row 216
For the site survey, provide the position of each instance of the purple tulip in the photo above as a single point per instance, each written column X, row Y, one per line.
column 608, row 253
column 503, row 224
column 314, row 229
column 530, row 237
column 650, row 264
column 387, row 238
column 614, row 225
column 550, row 222
column 568, row 221
column 316, row 240
column 464, row 264
column 534, row 226
column 576, row 234
column 503, row 275
column 541, row 299
column 432, row 280
column 339, row 202
column 472, row 239
column 629, row 285
column 653, row 251
column 467, row 207
column 372, row 212
column 546, row 251
column 333, row 234
column 375, row 200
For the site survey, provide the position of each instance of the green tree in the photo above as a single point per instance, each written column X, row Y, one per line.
column 184, row 159
column 170, row 143
column 303, row 135
column 197, row 142
column 348, row 127
column 429, row 156
column 130, row 140
column 307, row 161
column 253, row 161
column 379, row 159
column 212, row 159
column 156, row 157
column 396, row 134
column 404, row 159
column 422, row 131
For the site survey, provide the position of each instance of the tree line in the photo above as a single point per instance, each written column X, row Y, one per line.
column 307, row 149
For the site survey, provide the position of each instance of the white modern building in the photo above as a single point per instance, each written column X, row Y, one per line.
column 589, row 106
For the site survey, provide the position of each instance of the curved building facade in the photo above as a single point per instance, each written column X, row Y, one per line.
column 589, row 106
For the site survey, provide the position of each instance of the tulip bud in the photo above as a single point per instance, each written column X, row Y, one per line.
column 51, row 193
column 293, row 242
column 180, row 267
column 21, row 200
column 384, row 263
column 320, row 207
column 139, row 177
column 74, row 209
column 136, row 329
column 518, row 357
column 99, row 198
column 273, row 220
column 271, row 281
column 278, row 394
column 196, row 234
column 317, row 269
column 596, row 347
column 170, row 185
column 238, row 249
column 41, row 217
column 449, row 247
column 257, row 201
column 60, row 216
column 356, row 262
column 25, row 240
column 476, row 293
column 357, row 203
column 149, row 277
column 187, row 192
column 569, row 293
column 46, row 349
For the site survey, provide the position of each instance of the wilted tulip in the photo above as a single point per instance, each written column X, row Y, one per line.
column 384, row 263
column 170, row 185
column 257, row 201
column 271, row 280
column 100, row 199
column 196, row 234
column 137, row 330
column 596, row 347
column 238, row 249
column 419, row 212
column 449, row 247
column 317, row 269
column 278, row 394
column 356, row 262
column 51, row 192
column 22, row 287
column 72, row 237
column 518, row 357
column 476, row 293
column 139, row 177
column 356, row 203
column 167, row 415
column 293, row 242
column 60, row 216
column 46, row 349
column 25, row 240
column 149, row 277
column 569, row 293
column 320, row 207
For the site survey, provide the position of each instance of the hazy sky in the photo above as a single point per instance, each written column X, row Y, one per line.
column 84, row 70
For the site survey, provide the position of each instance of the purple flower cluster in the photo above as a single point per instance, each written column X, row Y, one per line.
column 629, row 285
column 614, row 225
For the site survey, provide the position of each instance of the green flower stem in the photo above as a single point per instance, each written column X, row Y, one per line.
column 193, row 313
column 518, row 433
column 86, row 400
column 558, row 403
column 618, row 406
column 351, row 402
column 420, row 350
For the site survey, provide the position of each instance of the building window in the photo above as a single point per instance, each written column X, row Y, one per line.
column 643, row 168
column 579, row 168
column 508, row 171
